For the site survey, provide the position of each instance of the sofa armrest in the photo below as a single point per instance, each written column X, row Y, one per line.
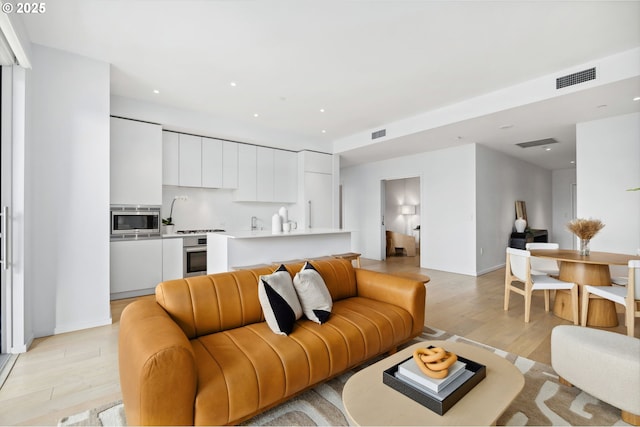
column 158, row 374
column 400, row 291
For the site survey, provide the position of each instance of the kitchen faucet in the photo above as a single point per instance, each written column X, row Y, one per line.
column 254, row 223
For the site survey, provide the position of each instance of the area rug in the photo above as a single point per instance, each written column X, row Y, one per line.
column 542, row 402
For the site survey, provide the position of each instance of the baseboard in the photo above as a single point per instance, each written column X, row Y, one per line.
column 490, row 269
column 132, row 294
column 79, row 326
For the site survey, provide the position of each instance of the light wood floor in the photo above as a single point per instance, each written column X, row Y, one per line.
column 69, row 373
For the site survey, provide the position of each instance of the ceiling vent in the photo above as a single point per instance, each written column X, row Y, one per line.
column 378, row 134
column 576, row 78
column 537, row 143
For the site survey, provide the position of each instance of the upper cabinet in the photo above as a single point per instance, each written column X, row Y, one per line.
column 136, row 162
column 170, row 156
column 285, row 176
column 190, row 161
column 317, row 162
column 230, row 164
column 212, row 163
column 266, row 175
column 193, row 161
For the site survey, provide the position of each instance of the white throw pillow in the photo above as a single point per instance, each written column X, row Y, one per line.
column 279, row 301
column 313, row 294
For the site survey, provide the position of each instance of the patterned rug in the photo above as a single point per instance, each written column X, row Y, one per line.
column 542, row 402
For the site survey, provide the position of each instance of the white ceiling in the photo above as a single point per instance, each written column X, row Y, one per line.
column 367, row 63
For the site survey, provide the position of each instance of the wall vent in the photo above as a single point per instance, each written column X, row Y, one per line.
column 379, row 134
column 576, row 78
column 537, row 143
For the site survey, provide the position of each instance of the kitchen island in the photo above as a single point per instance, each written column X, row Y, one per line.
column 243, row 248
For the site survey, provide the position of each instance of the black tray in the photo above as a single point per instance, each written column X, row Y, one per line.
column 439, row 407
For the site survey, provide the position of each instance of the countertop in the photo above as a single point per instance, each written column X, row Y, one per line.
column 257, row 234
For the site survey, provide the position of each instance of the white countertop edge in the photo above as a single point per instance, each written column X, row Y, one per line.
column 267, row 233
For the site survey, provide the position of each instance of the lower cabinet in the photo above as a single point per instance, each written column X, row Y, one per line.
column 136, row 267
column 172, row 262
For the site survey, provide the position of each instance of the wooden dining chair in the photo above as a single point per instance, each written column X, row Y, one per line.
column 628, row 296
column 543, row 265
column 518, row 269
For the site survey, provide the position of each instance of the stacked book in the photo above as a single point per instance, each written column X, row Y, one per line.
column 409, row 373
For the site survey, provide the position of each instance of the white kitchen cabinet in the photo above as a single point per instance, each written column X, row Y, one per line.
column 247, row 190
column 136, row 162
column 170, row 158
column 265, row 174
column 318, row 191
column 211, row 163
column 229, row 164
column 190, row 161
column 285, row 179
column 172, row 258
column 136, row 267
column 317, row 162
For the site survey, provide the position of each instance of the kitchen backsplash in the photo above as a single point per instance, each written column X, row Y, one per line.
column 214, row 208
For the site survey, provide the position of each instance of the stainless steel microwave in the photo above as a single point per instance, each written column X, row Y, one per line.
column 135, row 222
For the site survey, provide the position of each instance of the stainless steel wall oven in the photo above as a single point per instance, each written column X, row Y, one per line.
column 195, row 256
column 131, row 222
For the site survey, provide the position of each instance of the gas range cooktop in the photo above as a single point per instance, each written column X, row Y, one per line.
column 209, row 230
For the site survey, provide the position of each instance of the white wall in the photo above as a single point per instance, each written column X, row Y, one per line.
column 448, row 206
column 467, row 197
column 501, row 180
column 67, row 219
column 564, row 181
column 608, row 159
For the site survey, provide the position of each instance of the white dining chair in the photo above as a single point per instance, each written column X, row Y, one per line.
column 619, row 275
column 628, row 297
column 518, row 269
column 543, row 265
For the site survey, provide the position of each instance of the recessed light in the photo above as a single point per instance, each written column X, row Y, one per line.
column 637, row 98
column 322, row 110
column 156, row 91
column 503, row 127
column 573, row 162
column 256, row 114
column 234, row 84
column 547, row 148
column 324, row 131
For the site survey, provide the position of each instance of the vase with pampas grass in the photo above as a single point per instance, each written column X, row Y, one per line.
column 585, row 229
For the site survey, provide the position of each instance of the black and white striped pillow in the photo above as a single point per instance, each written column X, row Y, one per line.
column 279, row 301
column 313, row 294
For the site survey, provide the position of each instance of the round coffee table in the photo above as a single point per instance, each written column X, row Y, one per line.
column 368, row 401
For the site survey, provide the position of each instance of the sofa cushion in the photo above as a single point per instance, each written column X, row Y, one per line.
column 314, row 296
column 274, row 367
column 279, row 301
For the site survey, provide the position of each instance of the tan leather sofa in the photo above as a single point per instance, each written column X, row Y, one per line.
column 202, row 354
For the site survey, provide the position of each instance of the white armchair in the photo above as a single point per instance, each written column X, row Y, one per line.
column 577, row 352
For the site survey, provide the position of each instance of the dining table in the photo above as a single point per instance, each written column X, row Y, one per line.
column 592, row 269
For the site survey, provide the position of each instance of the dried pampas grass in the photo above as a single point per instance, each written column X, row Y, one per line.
column 585, row 228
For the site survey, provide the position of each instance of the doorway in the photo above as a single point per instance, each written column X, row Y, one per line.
column 401, row 233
